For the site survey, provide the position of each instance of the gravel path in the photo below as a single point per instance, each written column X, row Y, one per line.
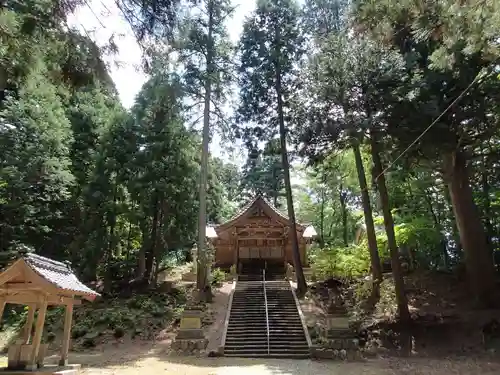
column 148, row 359
column 226, row 366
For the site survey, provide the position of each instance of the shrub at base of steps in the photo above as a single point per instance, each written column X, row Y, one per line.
column 318, row 352
column 339, row 343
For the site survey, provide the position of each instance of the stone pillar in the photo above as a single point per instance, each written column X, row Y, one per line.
column 194, row 256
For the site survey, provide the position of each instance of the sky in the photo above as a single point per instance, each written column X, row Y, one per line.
column 100, row 19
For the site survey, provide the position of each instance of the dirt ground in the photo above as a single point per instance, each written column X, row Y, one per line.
column 153, row 359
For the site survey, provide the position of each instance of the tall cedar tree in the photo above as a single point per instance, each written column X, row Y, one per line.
column 263, row 173
column 428, row 54
column 204, row 52
column 351, row 77
column 270, row 49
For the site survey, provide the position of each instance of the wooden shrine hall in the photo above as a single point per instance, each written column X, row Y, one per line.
column 39, row 282
column 260, row 235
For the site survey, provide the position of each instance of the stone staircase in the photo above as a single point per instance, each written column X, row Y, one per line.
column 286, row 334
column 248, row 333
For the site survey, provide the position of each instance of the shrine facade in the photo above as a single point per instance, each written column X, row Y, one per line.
column 258, row 233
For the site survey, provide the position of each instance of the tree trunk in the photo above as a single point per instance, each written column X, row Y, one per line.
column 367, row 210
column 343, row 207
column 112, row 221
column 201, row 277
column 428, row 199
column 478, row 258
column 153, row 240
column 397, row 273
column 490, row 231
column 141, row 266
column 322, row 218
column 129, row 240
column 297, row 263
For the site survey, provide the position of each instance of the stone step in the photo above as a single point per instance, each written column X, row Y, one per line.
column 245, row 340
column 250, row 343
column 292, row 314
column 247, row 332
column 248, row 321
column 272, row 331
column 250, row 354
column 261, row 327
column 289, row 345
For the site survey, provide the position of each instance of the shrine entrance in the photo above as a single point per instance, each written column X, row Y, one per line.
column 256, row 238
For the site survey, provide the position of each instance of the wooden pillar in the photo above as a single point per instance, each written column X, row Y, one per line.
column 66, row 335
column 29, row 324
column 233, row 244
column 37, row 339
column 2, row 306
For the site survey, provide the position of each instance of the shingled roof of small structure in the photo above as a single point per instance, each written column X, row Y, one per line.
column 59, row 274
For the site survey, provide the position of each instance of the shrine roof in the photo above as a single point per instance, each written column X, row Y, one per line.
column 58, row 274
column 264, row 203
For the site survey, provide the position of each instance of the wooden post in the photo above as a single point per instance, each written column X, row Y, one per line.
column 2, row 306
column 66, row 335
column 37, row 339
column 29, row 324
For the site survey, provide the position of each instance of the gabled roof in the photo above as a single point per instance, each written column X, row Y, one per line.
column 259, row 200
column 59, row 275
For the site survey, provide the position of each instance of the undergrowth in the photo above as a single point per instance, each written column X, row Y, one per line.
column 141, row 316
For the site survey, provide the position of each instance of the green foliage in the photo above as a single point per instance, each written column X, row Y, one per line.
column 141, row 314
column 341, row 262
column 263, row 174
column 218, row 277
column 35, row 167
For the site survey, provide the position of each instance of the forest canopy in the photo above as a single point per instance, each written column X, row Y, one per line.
column 375, row 121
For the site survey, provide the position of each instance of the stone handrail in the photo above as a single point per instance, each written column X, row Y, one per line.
column 265, row 302
column 302, row 317
column 228, row 314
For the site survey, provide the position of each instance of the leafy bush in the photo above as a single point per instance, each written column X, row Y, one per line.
column 232, row 270
column 341, row 262
column 218, row 277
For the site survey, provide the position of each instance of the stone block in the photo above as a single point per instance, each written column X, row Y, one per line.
column 191, row 319
column 13, row 356
column 189, row 276
column 184, row 345
column 190, row 334
column 42, row 352
column 338, row 322
column 25, row 354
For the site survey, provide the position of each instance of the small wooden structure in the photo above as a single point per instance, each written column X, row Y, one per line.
column 38, row 282
column 259, row 233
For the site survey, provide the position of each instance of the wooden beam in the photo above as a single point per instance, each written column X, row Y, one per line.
column 29, row 323
column 28, row 298
column 270, row 230
column 66, row 335
column 11, row 272
column 22, row 287
column 37, row 339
